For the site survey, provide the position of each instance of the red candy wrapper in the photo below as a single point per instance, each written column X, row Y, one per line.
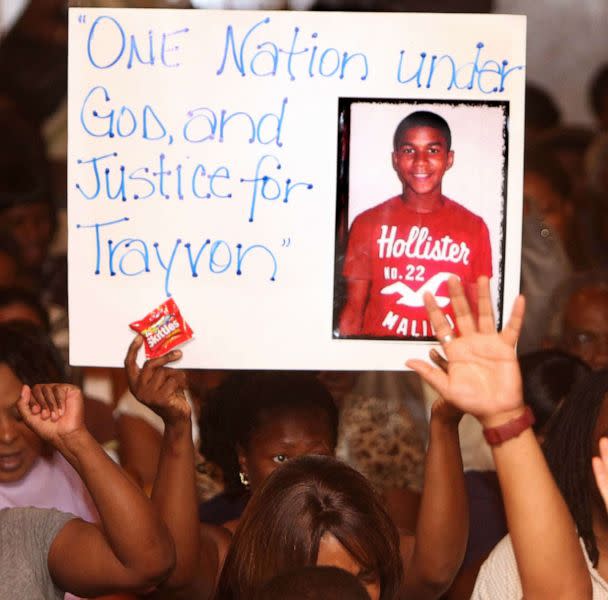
column 163, row 329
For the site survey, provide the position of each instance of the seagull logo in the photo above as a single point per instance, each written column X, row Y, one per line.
column 415, row 299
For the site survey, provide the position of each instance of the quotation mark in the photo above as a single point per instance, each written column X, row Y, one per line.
column 286, row 243
column 82, row 18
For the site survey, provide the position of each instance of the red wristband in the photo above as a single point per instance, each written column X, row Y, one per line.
column 497, row 435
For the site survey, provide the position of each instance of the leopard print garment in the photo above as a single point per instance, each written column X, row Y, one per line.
column 379, row 438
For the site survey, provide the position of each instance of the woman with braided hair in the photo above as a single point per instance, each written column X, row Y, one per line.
column 571, row 441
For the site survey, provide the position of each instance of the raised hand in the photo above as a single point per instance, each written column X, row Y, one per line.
column 483, row 376
column 157, row 386
column 52, row 410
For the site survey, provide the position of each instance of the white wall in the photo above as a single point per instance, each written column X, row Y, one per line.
column 566, row 44
column 9, row 12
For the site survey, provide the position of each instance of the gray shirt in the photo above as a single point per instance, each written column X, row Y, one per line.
column 26, row 535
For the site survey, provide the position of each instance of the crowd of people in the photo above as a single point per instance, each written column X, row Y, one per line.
column 481, row 473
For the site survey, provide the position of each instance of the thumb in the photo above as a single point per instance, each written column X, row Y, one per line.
column 72, row 393
column 72, row 398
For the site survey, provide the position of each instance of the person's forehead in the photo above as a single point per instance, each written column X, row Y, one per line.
column 293, row 427
column 588, row 309
column 421, row 135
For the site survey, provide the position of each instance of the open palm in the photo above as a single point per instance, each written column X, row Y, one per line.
column 483, row 376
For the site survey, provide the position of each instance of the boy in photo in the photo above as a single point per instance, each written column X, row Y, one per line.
column 412, row 243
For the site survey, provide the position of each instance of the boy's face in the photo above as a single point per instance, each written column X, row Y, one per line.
column 421, row 159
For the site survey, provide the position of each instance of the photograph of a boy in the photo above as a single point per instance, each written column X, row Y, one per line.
column 413, row 242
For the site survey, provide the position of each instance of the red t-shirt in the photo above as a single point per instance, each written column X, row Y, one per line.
column 403, row 253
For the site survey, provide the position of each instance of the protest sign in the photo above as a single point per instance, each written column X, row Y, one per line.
column 220, row 158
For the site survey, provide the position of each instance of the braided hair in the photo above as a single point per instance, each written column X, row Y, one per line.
column 569, row 445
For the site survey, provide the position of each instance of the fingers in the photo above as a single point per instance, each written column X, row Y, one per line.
column 52, row 405
column 155, row 383
column 462, row 310
column 432, row 375
column 161, row 361
column 152, row 366
column 438, row 321
column 600, row 469
column 131, row 359
column 47, row 400
column 39, row 400
column 511, row 330
column 152, row 372
column 485, row 311
column 159, row 376
column 439, row 360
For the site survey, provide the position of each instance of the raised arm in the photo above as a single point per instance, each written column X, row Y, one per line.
column 132, row 550
column 483, row 379
column 442, row 526
column 174, row 492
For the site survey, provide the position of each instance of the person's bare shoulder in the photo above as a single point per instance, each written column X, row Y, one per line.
column 220, row 537
column 215, row 541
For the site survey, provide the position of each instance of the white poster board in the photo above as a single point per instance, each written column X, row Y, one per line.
column 213, row 158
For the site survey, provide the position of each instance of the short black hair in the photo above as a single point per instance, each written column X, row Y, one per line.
column 314, row 583
column 423, row 118
column 598, row 89
column 245, row 401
